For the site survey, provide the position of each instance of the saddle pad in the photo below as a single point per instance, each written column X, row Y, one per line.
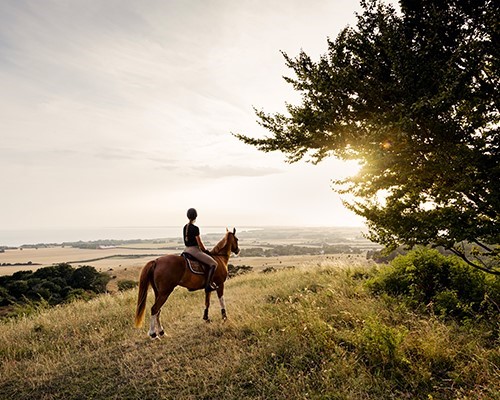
column 195, row 266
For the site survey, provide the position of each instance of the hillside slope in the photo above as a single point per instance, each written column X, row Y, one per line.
column 309, row 332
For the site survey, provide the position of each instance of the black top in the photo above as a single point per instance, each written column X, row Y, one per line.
column 189, row 233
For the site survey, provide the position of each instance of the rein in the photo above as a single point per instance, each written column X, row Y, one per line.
column 218, row 254
column 227, row 252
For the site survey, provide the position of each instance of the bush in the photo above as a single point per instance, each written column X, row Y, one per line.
column 17, row 288
column 444, row 284
column 5, row 298
column 88, row 278
column 380, row 344
column 238, row 270
column 126, row 285
column 52, row 285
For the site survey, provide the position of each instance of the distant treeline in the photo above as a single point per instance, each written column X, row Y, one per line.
column 56, row 284
column 17, row 264
column 93, row 244
column 293, row 250
column 96, row 244
column 34, row 246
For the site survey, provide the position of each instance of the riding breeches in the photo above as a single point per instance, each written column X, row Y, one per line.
column 196, row 252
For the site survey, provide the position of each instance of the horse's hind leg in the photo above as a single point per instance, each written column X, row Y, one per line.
column 159, row 327
column 152, row 329
column 155, row 325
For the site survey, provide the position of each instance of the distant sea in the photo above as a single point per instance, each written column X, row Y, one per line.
column 14, row 238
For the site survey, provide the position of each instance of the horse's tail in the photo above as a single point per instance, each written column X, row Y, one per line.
column 144, row 281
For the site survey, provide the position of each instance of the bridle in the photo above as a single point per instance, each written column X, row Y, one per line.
column 225, row 254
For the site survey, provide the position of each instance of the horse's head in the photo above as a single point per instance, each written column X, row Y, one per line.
column 233, row 241
column 228, row 244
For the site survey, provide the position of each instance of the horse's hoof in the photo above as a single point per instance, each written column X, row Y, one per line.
column 153, row 335
column 162, row 333
column 208, row 320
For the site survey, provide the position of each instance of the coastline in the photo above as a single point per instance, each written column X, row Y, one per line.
column 57, row 236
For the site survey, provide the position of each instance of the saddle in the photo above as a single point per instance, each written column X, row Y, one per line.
column 194, row 265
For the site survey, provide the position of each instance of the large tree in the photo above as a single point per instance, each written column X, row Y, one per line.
column 413, row 94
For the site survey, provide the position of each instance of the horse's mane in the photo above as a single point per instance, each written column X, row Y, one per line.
column 219, row 246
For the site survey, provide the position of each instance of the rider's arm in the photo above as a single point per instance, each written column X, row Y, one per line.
column 200, row 243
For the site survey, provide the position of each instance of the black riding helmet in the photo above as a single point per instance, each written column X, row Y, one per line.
column 192, row 214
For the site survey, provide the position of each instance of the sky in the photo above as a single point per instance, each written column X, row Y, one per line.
column 120, row 113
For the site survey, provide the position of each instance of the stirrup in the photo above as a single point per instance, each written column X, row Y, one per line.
column 210, row 288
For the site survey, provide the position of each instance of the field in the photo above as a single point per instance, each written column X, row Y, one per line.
column 305, row 332
column 124, row 262
column 306, row 328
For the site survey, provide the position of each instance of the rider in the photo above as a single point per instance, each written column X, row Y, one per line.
column 196, row 248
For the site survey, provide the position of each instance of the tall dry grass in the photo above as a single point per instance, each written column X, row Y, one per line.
column 309, row 332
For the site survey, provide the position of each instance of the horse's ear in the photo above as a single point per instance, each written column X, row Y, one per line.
column 227, row 230
column 234, row 231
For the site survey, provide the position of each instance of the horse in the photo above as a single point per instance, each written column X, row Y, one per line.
column 169, row 271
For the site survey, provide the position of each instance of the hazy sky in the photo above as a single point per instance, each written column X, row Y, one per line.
column 120, row 113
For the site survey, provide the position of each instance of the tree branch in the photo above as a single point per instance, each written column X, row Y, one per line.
column 482, row 245
column 464, row 257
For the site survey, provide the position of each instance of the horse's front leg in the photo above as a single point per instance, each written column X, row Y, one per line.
column 207, row 305
column 220, row 294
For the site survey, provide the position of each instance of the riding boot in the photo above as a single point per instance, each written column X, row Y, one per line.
column 210, row 286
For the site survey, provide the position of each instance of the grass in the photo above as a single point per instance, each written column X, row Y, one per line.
column 309, row 332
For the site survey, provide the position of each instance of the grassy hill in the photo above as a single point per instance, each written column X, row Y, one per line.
column 309, row 332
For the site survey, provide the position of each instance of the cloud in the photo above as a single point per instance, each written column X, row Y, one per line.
column 36, row 157
column 132, row 154
column 124, row 101
column 224, row 171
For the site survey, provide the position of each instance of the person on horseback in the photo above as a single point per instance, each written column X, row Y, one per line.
column 196, row 248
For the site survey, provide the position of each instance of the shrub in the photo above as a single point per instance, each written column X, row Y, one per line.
column 380, row 344
column 5, row 298
column 238, row 270
column 51, row 285
column 87, row 278
column 17, row 288
column 444, row 284
column 126, row 285
column 78, row 294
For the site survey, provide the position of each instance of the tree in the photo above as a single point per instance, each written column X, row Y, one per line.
column 413, row 95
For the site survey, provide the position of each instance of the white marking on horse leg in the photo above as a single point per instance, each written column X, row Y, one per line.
column 152, row 331
column 159, row 328
column 222, row 302
column 156, row 322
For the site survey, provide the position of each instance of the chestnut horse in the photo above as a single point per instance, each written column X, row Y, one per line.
column 169, row 271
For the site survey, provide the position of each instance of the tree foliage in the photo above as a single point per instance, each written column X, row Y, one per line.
column 412, row 95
